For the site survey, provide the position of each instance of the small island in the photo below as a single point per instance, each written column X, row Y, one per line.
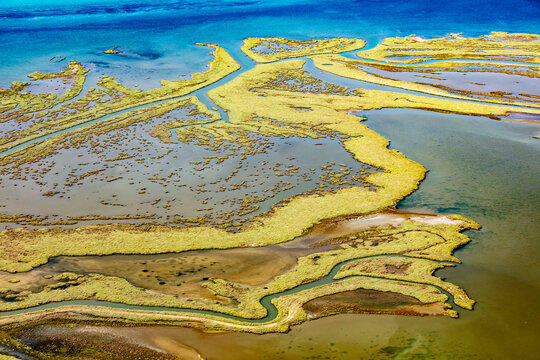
column 113, row 50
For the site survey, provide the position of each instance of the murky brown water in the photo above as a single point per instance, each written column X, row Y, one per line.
column 134, row 174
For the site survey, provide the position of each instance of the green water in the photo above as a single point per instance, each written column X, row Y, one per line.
column 488, row 171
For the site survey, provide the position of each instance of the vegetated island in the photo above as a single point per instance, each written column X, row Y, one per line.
column 264, row 50
column 113, row 50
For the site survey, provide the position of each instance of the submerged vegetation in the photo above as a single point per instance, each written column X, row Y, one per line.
column 150, row 147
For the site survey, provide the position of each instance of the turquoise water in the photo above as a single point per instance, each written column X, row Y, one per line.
column 479, row 168
column 162, row 33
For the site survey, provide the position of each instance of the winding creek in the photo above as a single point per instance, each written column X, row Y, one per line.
column 266, row 301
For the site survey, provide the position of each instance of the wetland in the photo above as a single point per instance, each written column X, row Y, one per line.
column 249, row 198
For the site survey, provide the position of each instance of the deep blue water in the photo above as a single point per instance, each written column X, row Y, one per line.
column 159, row 35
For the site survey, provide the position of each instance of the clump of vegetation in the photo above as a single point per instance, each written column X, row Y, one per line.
column 266, row 50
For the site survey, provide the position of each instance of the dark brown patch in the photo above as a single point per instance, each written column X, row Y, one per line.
column 400, row 269
column 365, row 301
column 76, row 342
column 358, row 301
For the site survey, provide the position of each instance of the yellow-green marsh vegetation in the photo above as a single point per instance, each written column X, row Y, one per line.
column 264, row 50
column 413, row 48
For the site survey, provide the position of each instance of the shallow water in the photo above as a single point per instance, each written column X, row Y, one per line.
column 498, row 266
column 483, row 170
column 166, row 181
column 483, row 82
